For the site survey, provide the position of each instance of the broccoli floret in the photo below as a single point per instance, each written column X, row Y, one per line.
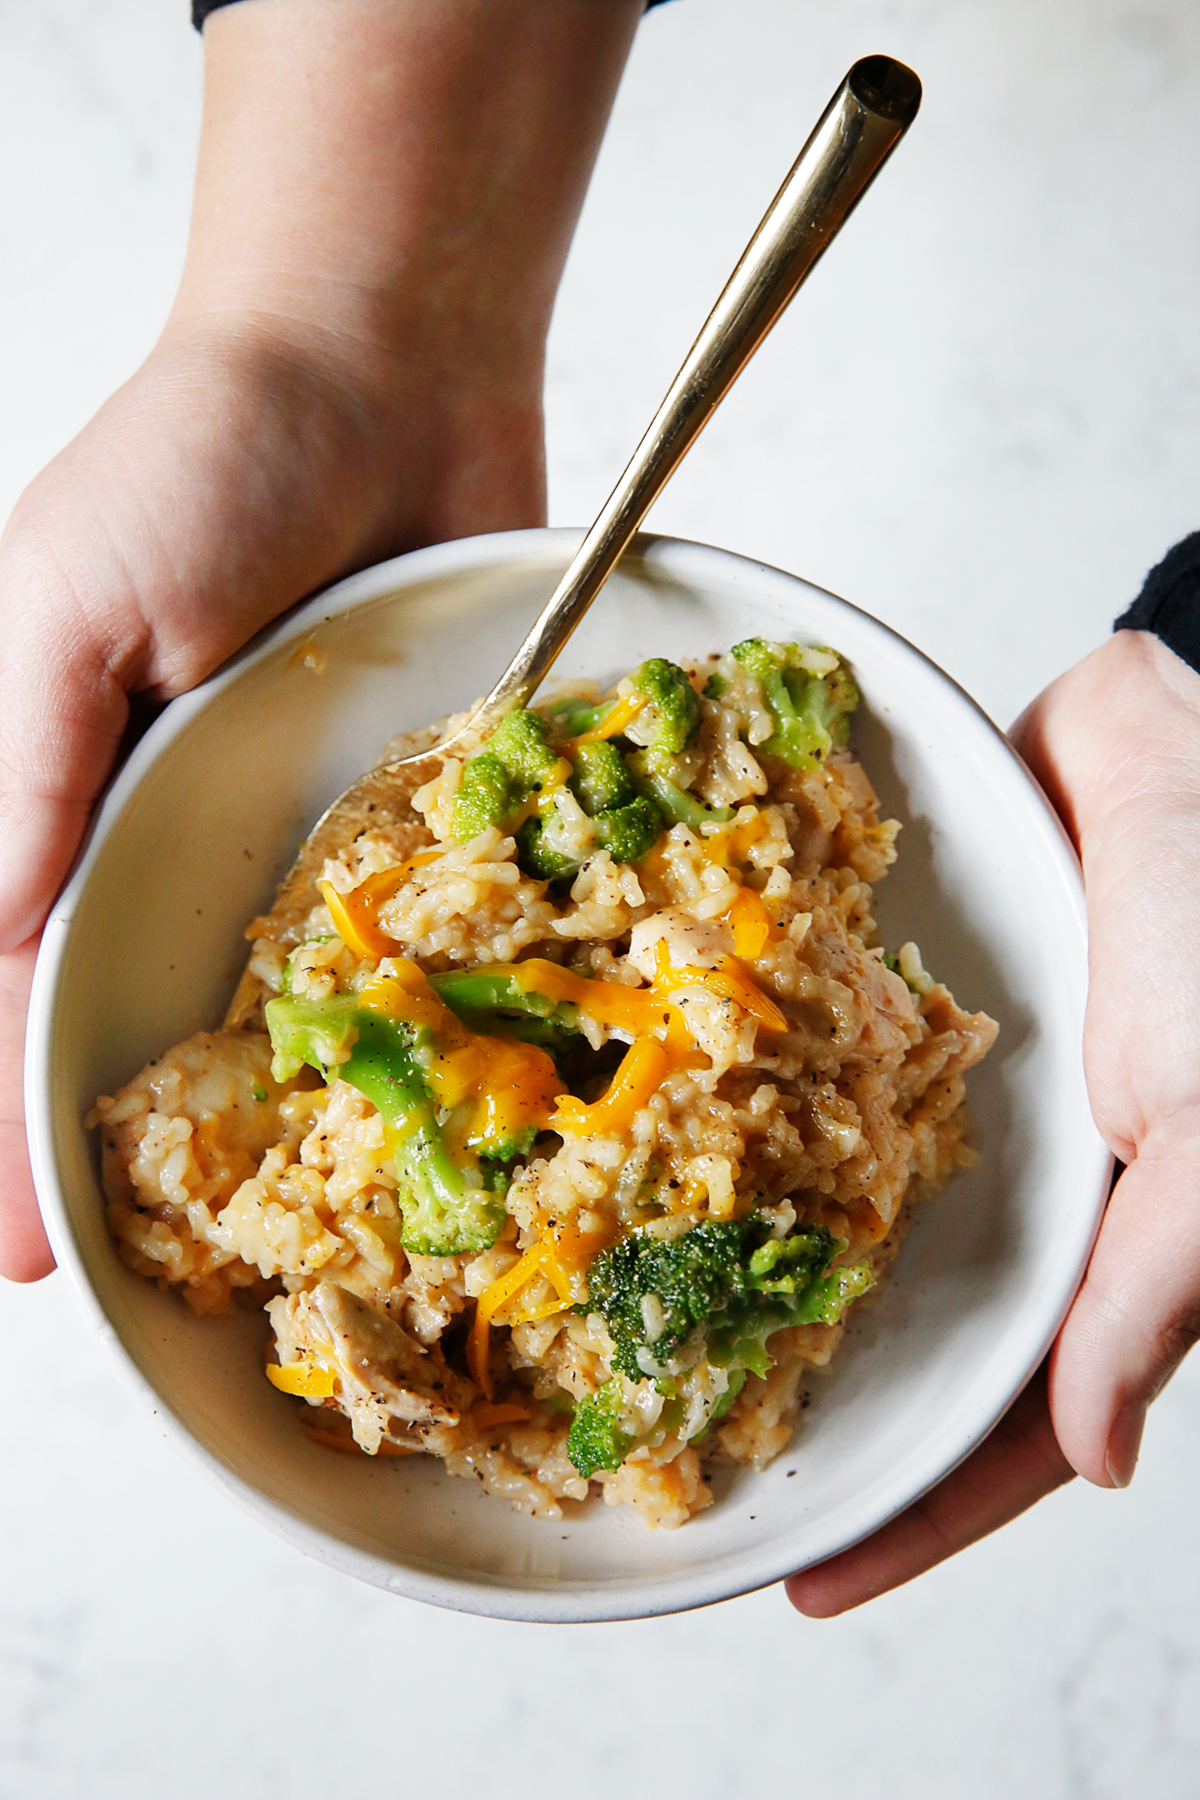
column 690, row 1277
column 676, row 805
column 742, row 1343
column 811, row 711
column 520, row 743
column 596, row 1440
column 504, row 1149
column 601, row 781
column 537, row 858
column 443, row 1214
column 629, row 832
column 501, row 776
column 486, row 795
column 729, row 1278
column 672, row 712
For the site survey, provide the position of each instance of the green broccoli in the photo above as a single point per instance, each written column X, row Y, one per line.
column 486, row 795
column 444, row 1214
column 490, row 1000
column 596, row 1440
column 742, row 1342
column 601, row 780
column 811, row 712
column 672, row 710
column 535, row 856
column 676, row 805
column 729, row 1278
column 500, row 777
column 627, row 832
column 737, row 1381
column 573, row 716
column 690, row 1277
column 520, row 742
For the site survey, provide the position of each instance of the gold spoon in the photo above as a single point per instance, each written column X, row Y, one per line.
column 853, row 138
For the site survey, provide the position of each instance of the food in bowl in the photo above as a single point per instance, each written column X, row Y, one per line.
column 559, row 1126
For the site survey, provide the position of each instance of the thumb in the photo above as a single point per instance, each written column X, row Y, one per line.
column 24, row 1248
column 62, row 712
column 1136, row 1315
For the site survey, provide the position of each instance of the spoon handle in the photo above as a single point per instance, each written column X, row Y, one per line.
column 854, row 137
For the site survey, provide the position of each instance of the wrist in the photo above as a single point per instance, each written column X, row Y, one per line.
column 398, row 180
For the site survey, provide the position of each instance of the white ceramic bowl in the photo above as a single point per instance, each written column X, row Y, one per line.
column 145, row 945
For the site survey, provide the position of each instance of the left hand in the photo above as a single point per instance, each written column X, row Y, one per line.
column 1116, row 744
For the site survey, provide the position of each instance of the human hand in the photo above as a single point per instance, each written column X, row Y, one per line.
column 1116, row 745
column 353, row 367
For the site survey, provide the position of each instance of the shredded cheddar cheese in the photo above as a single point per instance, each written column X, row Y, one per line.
column 502, row 1085
column 643, row 1070
column 356, row 915
column 613, row 722
column 750, row 923
column 635, row 1010
column 485, row 1414
column 728, row 980
column 503, row 1289
column 310, row 1381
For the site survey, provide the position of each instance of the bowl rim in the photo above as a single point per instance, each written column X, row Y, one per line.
column 573, row 1601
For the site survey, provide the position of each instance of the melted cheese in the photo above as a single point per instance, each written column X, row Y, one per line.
column 502, row 1085
column 308, row 1380
column 612, row 724
column 504, row 1288
column 643, row 1070
column 750, row 922
column 356, row 915
column 636, row 1010
column 728, row 981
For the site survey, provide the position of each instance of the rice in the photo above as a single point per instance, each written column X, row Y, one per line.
column 700, row 1051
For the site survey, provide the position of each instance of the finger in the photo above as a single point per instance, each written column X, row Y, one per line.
column 1136, row 1315
column 1019, row 1464
column 24, row 1249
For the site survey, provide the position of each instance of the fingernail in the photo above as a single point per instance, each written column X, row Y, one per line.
column 1124, row 1442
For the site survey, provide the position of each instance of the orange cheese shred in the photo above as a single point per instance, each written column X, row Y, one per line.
column 354, row 920
column 356, row 915
column 502, row 1084
column 503, row 1289
column 643, row 1070
column 613, row 722
column 636, row 1010
column 485, row 1414
column 728, row 980
column 750, row 923
column 307, row 1380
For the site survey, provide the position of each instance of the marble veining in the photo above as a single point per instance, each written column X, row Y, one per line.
column 982, row 422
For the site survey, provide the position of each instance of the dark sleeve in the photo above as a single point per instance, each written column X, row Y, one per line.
column 202, row 8
column 1169, row 603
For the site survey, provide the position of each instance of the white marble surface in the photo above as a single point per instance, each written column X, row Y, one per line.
column 981, row 421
